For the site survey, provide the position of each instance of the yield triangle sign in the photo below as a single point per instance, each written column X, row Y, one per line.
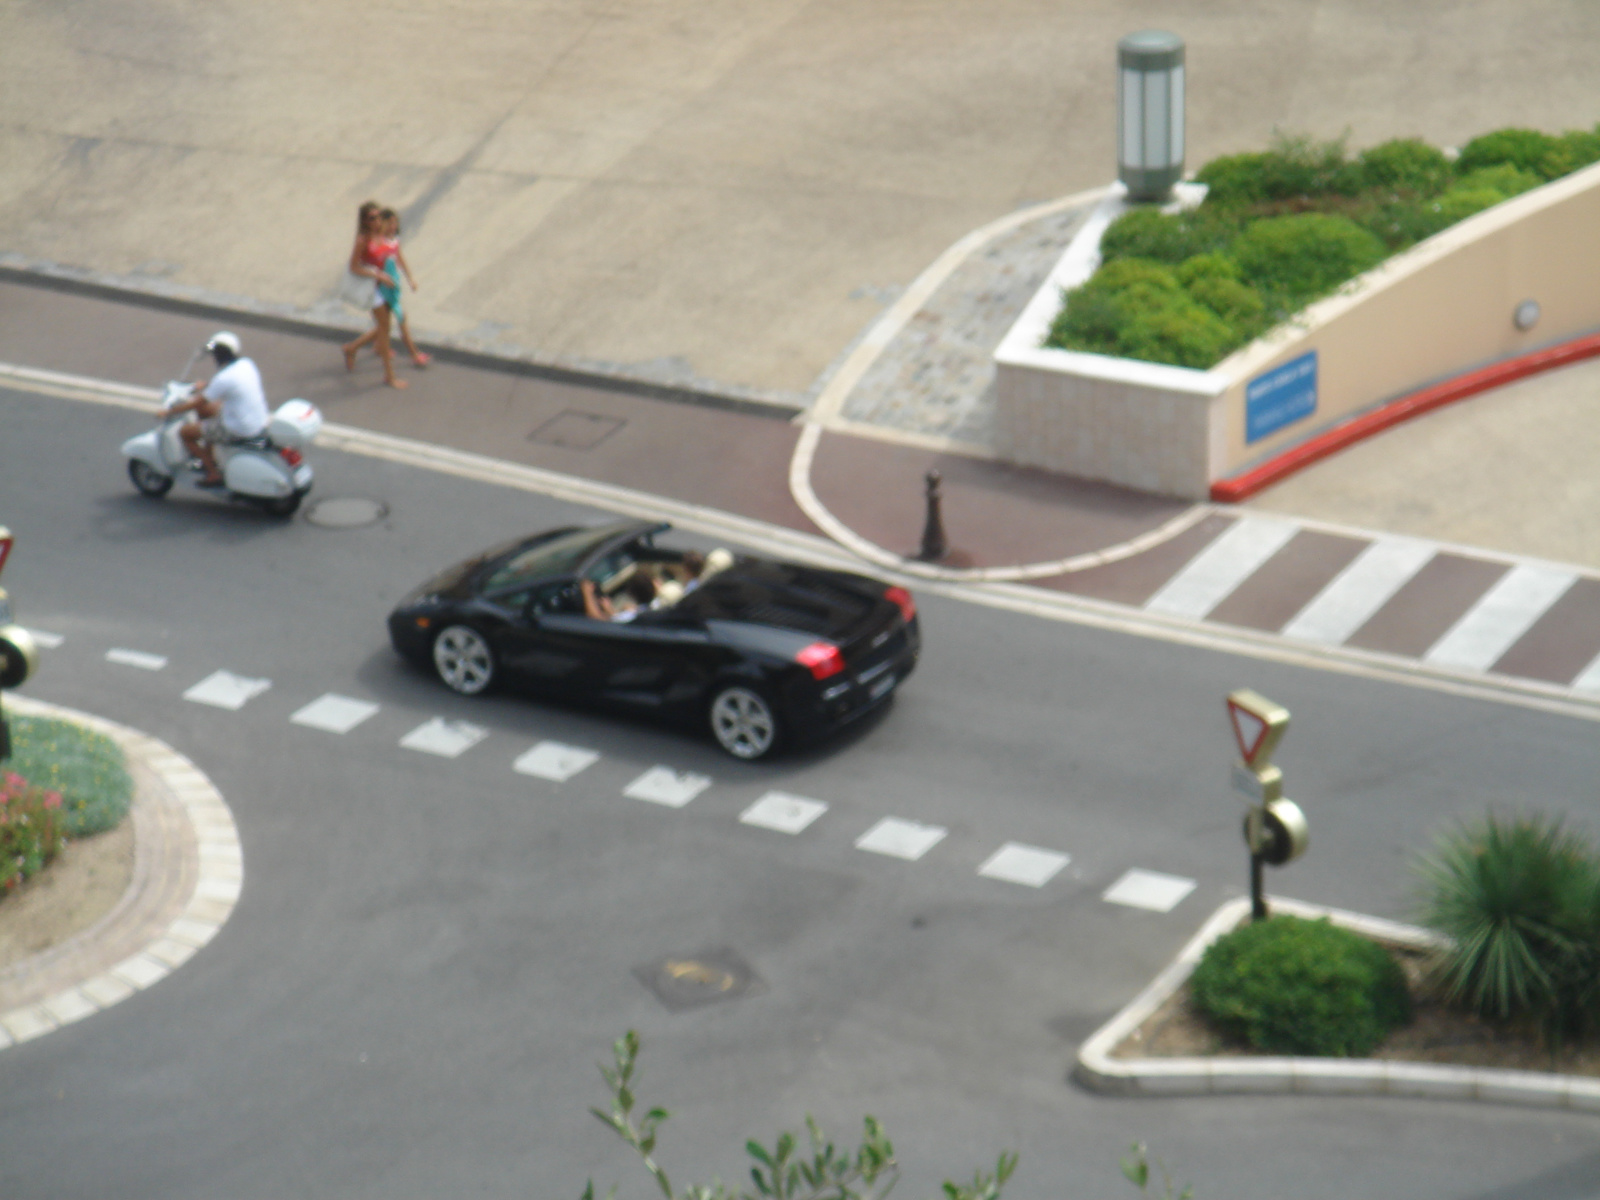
column 1258, row 725
column 1249, row 731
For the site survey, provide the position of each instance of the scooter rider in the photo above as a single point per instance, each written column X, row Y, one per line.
column 231, row 406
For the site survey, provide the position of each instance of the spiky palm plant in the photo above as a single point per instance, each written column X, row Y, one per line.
column 1520, row 900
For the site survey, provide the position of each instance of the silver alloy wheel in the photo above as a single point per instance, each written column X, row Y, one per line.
column 743, row 723
column 463, row 659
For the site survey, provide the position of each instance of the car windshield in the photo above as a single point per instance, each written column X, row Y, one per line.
column 542, row 559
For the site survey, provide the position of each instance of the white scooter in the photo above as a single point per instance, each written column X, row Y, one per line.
column 269, row 470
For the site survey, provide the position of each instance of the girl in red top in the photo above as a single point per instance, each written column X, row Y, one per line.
column 368, row 258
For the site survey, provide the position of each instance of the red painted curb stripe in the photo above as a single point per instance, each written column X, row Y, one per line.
column 1240, row 487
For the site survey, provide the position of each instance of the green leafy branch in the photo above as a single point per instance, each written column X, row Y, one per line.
column 787, row 1171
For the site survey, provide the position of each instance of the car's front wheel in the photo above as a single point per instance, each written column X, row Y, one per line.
column 743, row 722
column 463, row 659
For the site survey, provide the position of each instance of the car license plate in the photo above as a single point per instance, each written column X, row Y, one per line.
column 881, row 687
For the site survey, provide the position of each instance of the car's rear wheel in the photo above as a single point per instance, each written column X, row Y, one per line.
column 147, row 479
column 463, row 659
column 743, row 722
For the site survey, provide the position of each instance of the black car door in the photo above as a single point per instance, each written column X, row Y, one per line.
column 648, row 662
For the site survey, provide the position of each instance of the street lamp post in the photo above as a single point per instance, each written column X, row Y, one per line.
column 1150, row 113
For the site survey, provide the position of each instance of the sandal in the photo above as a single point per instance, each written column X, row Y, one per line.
column 421, row 358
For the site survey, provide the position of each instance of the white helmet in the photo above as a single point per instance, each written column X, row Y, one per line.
column 230, row 340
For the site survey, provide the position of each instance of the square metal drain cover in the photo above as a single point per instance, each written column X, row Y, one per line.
column 576, row 430
column 683, row 981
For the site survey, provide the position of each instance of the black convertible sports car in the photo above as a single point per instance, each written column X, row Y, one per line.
column 764, row 652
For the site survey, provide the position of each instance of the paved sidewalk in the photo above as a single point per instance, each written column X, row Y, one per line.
column 716, row 193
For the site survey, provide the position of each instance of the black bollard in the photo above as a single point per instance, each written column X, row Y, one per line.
column 934, row 543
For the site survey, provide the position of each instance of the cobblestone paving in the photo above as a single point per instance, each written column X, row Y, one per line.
column 937, row 376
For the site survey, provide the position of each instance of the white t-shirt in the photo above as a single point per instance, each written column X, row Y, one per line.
column 237, row 387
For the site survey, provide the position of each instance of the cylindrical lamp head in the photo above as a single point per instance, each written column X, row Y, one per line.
column 1150, row 113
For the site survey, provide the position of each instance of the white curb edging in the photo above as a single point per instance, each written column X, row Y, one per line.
column 218, row 882
column 1098, row 1070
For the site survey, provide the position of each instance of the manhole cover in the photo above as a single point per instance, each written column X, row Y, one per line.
column 346, row 512
column 682, row 981
column 576, row 430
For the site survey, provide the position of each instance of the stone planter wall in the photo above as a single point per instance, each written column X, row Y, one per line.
column 1443, row 307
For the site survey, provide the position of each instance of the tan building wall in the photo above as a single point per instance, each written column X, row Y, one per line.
column 1442, row 308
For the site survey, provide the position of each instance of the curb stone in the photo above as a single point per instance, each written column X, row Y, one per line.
column 187, row 876
column 1097, row 1070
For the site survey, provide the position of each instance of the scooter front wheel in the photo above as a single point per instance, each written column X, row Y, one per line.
column 147, row 479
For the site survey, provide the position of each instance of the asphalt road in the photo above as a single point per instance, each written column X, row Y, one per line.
column 431, row 954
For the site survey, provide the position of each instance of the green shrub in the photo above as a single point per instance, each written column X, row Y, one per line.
column 1460, row 203
column 1296, row 166
column 1135, row 308
column 1526, row 149
column 1295, row 259
column 1504, row 178
column 1574, row 149
column 1407, row 165
column 84, row 766
column 1151, row 234
column 1290, row 986
column 1520, row 902
column 30, row 829
column 1184, row 334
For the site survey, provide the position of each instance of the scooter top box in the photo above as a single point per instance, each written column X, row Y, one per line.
column 295, row 423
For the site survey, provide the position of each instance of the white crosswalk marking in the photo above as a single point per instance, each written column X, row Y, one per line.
column 447, row 739
column 1152, row 890
column 555, row 761
column 663, row 785
column 898, row 838
column 334, row 713
column 783, row 812
column 136, row 658
column 1588, row 679
column 1502, row 615
column 1353, row 595
column 224, row 689
column 1213, row 574
column 1031, row 866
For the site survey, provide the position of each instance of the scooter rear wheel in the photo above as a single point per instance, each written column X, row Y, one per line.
column 147, row 479
column 284, row 506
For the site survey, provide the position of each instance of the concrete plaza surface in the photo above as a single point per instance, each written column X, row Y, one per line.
column 721, row 193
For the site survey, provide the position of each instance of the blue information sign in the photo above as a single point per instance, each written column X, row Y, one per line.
column 1280, row 397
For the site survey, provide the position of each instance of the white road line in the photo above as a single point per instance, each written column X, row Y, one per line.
column 1502, row 615
column 47, row 641
column 1150, row 890
column 555, row 761
column 1213, row 574
column 1031, row 866
column 1353, row 595
column 136, row 658
column 223, row 689
column 334, row 713
column 663, row 785
column 783, row 812
column 447, row 739
column 898, row 838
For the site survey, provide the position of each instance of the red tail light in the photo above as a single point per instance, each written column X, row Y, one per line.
column 899, row 595
column 290, row 455
column 823, row 658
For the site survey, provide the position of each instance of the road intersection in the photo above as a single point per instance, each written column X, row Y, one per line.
column 432, row 950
